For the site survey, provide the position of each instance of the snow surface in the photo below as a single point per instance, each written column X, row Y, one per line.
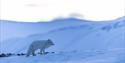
column 76, row 41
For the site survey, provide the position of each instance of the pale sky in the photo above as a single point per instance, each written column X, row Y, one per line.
column 45, row 10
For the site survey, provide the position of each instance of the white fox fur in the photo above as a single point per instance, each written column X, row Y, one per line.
column 39, row 44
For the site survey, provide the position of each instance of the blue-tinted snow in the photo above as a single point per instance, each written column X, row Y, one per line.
column 76, row 41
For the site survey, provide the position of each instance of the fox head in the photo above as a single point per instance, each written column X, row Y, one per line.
column 50, row 42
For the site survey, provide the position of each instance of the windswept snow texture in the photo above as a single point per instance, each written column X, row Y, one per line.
column 76, row 41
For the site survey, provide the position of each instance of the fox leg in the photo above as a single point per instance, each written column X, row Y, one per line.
column 42, row 51
column 28, row 52
column 33, row 53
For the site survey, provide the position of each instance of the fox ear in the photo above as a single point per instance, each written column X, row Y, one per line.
column 48, row 39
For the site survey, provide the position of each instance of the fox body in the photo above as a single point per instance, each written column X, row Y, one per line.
column 39, row 44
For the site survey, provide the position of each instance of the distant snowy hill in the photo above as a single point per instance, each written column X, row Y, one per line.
column 10, row 29
column 74, row 36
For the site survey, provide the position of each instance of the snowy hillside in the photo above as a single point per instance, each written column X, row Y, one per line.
column 11, row 30
column 76, row 41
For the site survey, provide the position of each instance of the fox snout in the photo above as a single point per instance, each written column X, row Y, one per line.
column 52, row 43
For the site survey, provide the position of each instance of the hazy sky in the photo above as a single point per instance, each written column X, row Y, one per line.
column 45, row 10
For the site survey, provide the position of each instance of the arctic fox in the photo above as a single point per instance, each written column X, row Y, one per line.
column 39, row 44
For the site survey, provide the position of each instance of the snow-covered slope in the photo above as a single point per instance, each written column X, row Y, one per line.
column 12, row 29
column 76, row 41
